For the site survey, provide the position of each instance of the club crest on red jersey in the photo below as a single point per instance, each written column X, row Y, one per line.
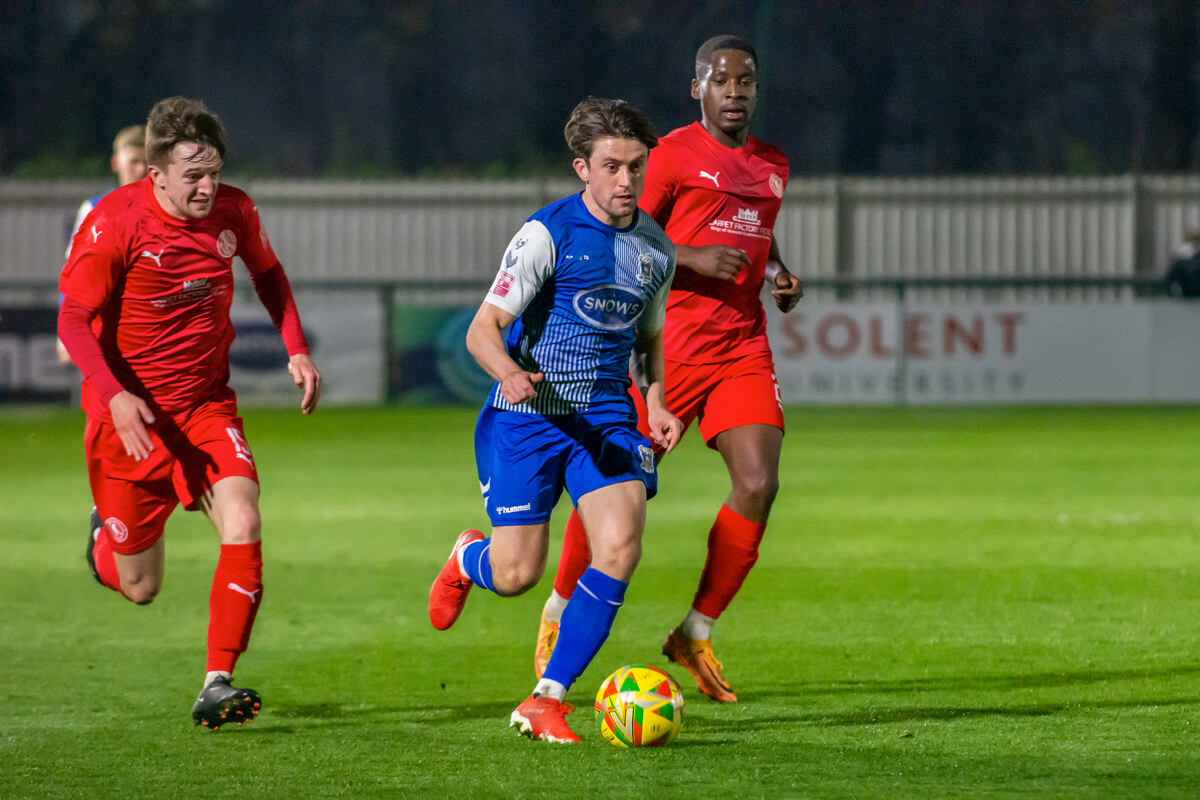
column 226, row 243
column 117, row 529
column 776, row 184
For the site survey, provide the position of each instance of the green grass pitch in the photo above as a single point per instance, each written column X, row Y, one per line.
column 949, row 603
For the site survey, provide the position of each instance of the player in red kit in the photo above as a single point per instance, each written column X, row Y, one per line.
column 145, row 317
column 716, row 191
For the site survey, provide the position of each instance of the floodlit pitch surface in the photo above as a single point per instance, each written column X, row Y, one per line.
column 999, row 602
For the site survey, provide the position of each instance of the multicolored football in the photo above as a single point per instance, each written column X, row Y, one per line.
column 639, row 706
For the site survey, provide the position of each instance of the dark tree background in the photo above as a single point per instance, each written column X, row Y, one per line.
column 361, row 89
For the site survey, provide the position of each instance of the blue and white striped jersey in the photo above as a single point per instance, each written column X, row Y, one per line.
column 580, row 290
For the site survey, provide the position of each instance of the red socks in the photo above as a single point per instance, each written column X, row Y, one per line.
column 106, row 564
column 575, row 558
column 732, row 550
column 233, row 604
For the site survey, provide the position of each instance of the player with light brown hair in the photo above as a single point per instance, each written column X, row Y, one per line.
column 582, row 285
column 145, row 316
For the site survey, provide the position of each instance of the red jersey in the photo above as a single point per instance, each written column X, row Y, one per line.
column 163, row 287
column 702, row 192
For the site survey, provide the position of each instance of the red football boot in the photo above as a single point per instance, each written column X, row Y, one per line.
column 543, row 718
column 448, row 594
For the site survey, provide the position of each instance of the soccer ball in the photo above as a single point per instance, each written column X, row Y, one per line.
column 639, row 706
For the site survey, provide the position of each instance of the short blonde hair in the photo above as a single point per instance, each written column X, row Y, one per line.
column 133, row 136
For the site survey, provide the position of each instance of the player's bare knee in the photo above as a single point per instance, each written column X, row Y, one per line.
column 760, row 488
column 141, row 592
column 619, row 559
column 513, row 585
column 514, row 579
column 242, row 525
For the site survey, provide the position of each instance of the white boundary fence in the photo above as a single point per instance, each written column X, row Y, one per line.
column 882, row 258
column 844, row 228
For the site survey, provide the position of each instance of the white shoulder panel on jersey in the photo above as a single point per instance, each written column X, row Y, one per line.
column 654, row 317
column 85, row 208
column 527, row 263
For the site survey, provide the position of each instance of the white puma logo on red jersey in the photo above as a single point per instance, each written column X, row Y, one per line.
column 95, row 234
column 157, row 259
column 712, row 178
column 246, row 592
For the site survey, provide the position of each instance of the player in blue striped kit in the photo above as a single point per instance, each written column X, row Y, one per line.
column 583, row 285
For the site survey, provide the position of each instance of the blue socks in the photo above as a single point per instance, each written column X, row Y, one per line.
column 586, row 621
column 477, row 564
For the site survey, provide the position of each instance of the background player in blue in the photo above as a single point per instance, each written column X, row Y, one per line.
column 128, row 163
column 583, row 285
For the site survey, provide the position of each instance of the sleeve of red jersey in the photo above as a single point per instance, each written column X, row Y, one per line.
column 270, row 281
column 95, row 264
column 253, row 246
column 275, row 293
column 75, row 332
column 661, row 184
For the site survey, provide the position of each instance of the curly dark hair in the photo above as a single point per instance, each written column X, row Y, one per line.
column 724, row 42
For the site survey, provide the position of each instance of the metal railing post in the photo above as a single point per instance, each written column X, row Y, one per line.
column 387, row 298
column 901, row 345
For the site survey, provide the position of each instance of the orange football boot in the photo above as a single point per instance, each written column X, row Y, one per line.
column 696, row 656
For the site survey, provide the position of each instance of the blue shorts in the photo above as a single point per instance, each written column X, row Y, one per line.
column 526, row 460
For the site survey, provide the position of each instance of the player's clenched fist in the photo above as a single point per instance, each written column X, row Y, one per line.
column 520, row 387
column 719, row 261
column 788, row 290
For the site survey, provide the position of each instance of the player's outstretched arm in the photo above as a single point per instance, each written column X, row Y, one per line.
column 719, row 261
column 485, row 341
column 304, row 373
column 665, row 428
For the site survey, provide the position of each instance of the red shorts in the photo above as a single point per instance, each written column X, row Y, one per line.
column 134, row 498
column 724, row 395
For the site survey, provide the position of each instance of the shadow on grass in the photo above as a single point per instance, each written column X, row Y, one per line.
column 765, row 715
column 960, row 683
column 884, row 716
column 442, row 713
